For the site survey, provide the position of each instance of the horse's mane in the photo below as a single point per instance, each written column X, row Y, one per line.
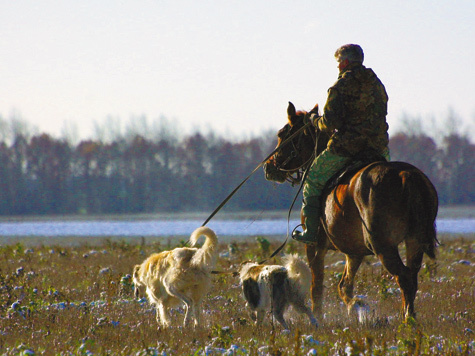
column 300, row 114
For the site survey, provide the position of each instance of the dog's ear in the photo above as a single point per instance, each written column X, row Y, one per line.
column 245, row 262
column 241, row 266
column 136, row 271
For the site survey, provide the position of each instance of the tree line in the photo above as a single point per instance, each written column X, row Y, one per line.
column 40, row 174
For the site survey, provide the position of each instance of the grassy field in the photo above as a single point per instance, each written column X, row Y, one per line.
column 78, row 300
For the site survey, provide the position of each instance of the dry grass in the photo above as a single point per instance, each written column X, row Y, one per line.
column 78, row 300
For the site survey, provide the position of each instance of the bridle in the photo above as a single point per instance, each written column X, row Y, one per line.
column 294, row 175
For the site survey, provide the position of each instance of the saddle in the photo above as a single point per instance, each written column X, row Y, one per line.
column 358, row 161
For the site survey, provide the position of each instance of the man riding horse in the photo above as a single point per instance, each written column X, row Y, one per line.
column 355, row 118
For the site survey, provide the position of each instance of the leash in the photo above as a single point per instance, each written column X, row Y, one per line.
column 235, row 273
column 254, row 171
column 304, row 177
column 287, row 140
column 288, row 219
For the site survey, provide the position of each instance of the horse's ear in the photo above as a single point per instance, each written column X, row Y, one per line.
column 291, row 110
column 314, row 110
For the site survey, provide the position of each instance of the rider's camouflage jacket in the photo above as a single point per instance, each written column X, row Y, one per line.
column 355, row 112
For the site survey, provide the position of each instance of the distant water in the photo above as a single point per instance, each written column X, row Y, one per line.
column 180, row 227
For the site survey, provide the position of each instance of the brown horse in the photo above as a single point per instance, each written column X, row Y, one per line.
column 369, row 212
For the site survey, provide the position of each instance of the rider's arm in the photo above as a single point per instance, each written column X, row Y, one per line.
column 333, row 112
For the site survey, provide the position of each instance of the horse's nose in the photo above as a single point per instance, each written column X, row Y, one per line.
column 272, row 173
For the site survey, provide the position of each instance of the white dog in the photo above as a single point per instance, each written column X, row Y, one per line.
column 181, row 275
column 274, row 288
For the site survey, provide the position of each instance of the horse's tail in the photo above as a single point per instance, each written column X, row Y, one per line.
column 422, row 201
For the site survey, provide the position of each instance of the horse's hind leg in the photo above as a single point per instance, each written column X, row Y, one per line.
column 345, row 287
column 414, row 255
column 391, row 260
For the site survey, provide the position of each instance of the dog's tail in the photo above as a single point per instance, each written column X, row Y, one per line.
column 299, row 273
column 207, row 254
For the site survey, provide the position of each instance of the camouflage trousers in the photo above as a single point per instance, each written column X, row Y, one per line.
column 325, row 165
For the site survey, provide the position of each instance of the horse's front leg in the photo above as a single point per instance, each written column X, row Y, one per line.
column 316, row 260
column 346, row 285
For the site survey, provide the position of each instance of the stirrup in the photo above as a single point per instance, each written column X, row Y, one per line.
column 300, row 237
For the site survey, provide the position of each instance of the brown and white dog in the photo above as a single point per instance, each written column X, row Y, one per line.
column 275, row 288
column 181, row 275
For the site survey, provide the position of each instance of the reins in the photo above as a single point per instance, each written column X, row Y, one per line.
column 288, row 219
column 302, row 181
column 235, row 273
column 299, row 177
column 285, row 142
column 254, row 171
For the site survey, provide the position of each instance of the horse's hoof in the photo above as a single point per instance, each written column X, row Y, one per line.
column 360, row 309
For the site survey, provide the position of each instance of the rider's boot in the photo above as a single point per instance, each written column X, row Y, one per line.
column 311, row 213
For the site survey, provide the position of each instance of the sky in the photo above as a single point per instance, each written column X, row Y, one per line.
column 228, row 66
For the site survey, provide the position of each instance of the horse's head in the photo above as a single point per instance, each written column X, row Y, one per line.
column 295, row 148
